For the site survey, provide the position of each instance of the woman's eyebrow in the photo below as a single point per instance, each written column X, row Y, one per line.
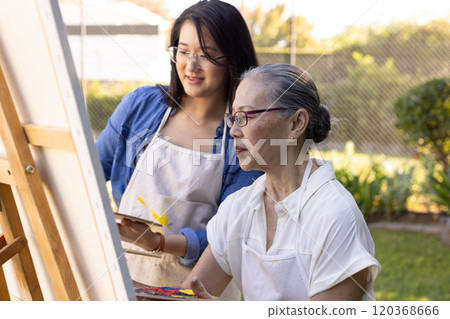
column 241, row 107
column 211, row 49
column 207, row 47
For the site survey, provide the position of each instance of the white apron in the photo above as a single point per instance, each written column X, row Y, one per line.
column 169, row 187
column 275, row 277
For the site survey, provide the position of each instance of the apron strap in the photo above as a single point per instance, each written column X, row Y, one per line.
column 161, row 125
column 164, row 120
column 224, row 137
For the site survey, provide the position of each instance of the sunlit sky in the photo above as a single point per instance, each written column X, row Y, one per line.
column 330, row 17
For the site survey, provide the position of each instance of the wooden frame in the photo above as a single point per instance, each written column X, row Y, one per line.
column 57, row 228
column 31, row 189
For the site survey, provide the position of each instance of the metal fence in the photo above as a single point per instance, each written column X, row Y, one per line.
column 359, row 85
column 361, row 95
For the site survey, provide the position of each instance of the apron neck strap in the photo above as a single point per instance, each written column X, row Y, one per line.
column 164, row 120
column 224, row 137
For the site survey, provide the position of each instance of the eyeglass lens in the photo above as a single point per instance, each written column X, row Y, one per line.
column 182, row 56
column 239, row 117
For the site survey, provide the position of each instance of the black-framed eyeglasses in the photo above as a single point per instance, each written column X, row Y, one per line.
column 241, row 117
column 178, row 55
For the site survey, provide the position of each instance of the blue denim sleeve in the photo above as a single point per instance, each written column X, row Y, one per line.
column 107, row 141
column 196, row 244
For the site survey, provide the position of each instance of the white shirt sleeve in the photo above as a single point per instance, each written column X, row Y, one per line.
column 343, row 248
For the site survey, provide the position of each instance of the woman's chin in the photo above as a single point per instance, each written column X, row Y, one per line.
column 245, row 164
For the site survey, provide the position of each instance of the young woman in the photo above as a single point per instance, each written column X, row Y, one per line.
column 296, row 233
column 167, row 152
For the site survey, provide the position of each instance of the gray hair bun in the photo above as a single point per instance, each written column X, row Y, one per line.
column 322, row 126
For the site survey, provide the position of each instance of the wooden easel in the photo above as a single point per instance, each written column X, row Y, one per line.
column 19, row 170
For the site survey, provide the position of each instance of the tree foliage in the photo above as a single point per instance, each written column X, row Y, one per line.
column 423, row 114
column 430, row 42
column 270, row 29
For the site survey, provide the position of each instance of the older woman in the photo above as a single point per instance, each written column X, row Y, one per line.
column 296, row 233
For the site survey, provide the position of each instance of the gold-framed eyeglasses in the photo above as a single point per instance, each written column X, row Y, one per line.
column 181, row 56
column 241, row 117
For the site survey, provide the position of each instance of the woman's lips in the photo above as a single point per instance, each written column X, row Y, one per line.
column 193, row 79
column 240, row 150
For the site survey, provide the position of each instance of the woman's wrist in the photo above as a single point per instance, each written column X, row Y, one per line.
column 162, row 242
column 150, row 241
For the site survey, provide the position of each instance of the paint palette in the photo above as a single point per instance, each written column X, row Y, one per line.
column 137, row 219
column 165, row 293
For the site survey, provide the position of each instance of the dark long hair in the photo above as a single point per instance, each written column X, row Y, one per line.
column 229, row 31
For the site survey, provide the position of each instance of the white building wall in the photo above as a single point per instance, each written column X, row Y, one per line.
column 120, row 57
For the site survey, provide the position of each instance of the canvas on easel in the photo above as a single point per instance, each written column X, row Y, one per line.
column 50, row 174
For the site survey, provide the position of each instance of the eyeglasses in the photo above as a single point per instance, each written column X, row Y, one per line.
column 241, row 117
column 181, row 56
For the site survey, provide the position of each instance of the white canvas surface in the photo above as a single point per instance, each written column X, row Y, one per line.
column 35, row 55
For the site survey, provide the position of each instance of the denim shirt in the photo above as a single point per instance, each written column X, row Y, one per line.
column 131, row 127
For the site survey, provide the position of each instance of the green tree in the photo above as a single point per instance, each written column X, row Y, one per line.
column 414, row 48
column 269, row 29
column 423, row 115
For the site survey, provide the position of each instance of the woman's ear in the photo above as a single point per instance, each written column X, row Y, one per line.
column 300, row 120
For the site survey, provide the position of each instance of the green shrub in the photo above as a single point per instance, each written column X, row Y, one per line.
column 374, row 188
column 396, row 191
column 365, row 187
column 423, row 115
column 103, row 98
column 440, row 190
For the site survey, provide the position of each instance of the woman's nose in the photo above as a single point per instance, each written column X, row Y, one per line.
column 235, row 130
column 192, row 62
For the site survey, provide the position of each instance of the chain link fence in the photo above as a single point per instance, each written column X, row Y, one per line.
column 359, row 83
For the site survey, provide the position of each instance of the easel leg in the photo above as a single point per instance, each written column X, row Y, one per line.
column 4, row 294
column 23, row 264
column 32, row 193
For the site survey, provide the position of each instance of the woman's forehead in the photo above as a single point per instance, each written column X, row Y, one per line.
column 251, row 93
column 189, row 36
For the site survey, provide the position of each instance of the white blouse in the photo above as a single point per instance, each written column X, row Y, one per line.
column 334, row 242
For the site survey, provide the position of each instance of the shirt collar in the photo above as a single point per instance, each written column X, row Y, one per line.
column 256, row 197
column 321, row 176
column 292, row 203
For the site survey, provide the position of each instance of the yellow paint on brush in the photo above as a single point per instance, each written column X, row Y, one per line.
column 163, row 220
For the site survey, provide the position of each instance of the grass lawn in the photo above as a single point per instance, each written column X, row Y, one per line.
column 415, row 266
